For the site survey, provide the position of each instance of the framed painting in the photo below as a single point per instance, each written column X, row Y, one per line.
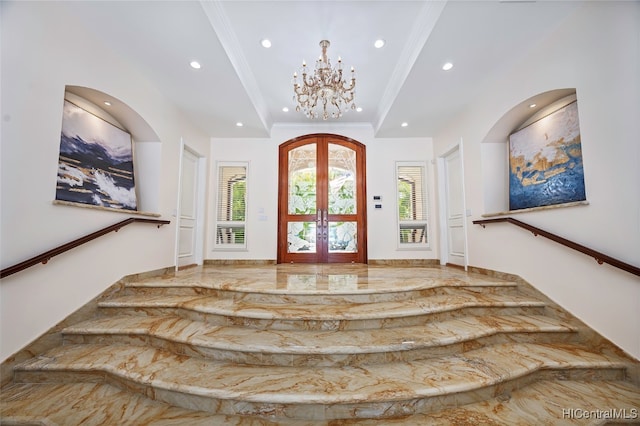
column 95, row 165
column 545, row 161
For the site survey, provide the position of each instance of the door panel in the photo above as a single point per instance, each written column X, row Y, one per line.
column 322, row 201
column 188, row 210
column 455, row 209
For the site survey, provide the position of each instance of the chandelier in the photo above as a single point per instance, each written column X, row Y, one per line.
column 324, row 93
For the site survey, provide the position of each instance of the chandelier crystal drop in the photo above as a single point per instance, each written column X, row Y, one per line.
column 325, row 93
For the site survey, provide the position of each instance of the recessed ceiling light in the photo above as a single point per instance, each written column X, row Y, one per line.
column 239, row 124
column 359, row 109
column 405, row 124
column 195, row 65
column 266, row 43
column 379, row 43
column 447, row 66
column 532, row 106
column 285, row 109
column 107, row 103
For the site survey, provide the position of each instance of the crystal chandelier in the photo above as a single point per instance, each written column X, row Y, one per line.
column 324, row 93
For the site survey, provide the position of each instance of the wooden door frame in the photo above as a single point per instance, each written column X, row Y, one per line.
column 361, row 198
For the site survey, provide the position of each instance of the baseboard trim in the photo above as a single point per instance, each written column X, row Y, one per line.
column 405, row 262
column 222, row 262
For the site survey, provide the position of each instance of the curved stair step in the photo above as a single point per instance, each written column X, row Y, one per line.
column 100, row 404
column 319, row 348
column 385, row 390
column 546, row 402
column 294, row 279
column 368, row 290
column 314, row 316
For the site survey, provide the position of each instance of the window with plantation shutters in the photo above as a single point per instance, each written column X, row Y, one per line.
column 412, row 204
column 231, row 208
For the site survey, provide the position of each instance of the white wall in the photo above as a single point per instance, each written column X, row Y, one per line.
column 596, row 51
column 43, row 50
column 262, row 191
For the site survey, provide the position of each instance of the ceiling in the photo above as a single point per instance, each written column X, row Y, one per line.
column 241, row 81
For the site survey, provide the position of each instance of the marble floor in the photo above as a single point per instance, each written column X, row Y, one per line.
column 324, row 345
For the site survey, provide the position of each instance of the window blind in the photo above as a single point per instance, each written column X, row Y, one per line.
column 231, row 209
column 412, row 203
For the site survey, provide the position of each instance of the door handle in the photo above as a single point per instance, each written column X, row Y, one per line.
column 325, row 224
column 319, row 217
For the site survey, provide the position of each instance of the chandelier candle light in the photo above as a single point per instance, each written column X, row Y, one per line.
column 324, row 88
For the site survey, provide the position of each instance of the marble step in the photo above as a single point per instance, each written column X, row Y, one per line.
column 318, row 348
column 305, row 279
column 541, row 403
column 546, row 402
column 316, row 293
column 87, row 404
column 374, row 391
column 339, row 316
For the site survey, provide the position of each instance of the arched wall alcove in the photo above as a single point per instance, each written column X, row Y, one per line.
column 494, row 146
column 147, row 148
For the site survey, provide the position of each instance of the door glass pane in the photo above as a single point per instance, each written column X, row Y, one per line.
column 342, row 180
column 343, row 237
column 302, row 180
column 301, row 237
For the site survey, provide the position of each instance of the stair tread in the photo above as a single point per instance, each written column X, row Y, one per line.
column 245, row 339
column 328, row 385
column 417, row 306
column 97, row 403
column 546, row 402
column 299, row 280
column 538, row 403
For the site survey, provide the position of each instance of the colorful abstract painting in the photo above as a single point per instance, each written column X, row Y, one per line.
column 95, row 165
column 545, row 161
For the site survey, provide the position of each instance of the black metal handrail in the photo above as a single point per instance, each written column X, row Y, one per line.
column 599, row 257
column 46, row 256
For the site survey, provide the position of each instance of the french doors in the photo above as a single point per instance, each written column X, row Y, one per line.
column 322, row 200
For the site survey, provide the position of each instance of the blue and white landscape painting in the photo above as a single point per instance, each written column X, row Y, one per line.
column 96, row 162
column 545, row 162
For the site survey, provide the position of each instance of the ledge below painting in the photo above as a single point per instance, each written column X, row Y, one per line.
column 535, row 209
column 110, row 209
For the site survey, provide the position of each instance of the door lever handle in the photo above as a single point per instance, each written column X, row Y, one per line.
column 319, row 217
column 326, row 217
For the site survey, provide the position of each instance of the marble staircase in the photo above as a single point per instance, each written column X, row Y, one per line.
column 324, row 345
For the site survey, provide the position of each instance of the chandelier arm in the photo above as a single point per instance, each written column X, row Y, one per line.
column 310, row 82
column 351, row 86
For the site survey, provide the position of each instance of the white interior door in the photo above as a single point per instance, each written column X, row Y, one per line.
column 454, row 209
column 188, row 252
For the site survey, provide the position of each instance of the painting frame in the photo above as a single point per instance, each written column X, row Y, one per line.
column 95, row 162
column 545, row 161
